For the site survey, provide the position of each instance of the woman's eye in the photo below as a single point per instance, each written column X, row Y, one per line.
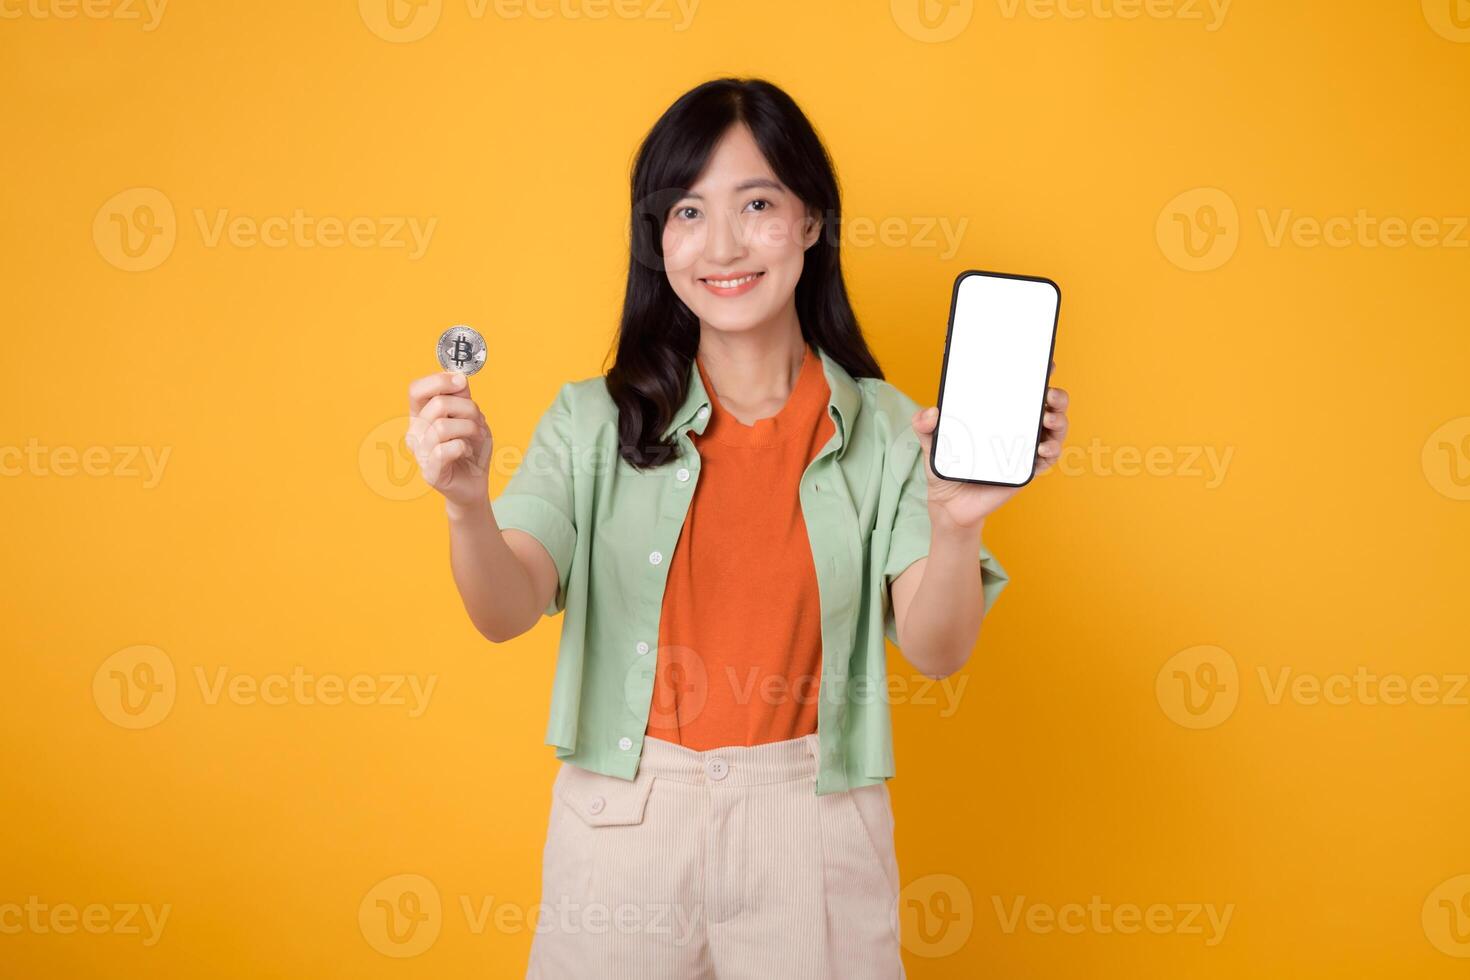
column 679, row 212
column 762, row 201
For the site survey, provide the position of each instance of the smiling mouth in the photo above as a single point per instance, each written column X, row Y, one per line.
column 732, row 283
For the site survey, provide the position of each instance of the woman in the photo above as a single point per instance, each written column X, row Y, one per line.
column 733, row 520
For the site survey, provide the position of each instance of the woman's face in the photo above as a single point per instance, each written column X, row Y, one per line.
column 735, row 244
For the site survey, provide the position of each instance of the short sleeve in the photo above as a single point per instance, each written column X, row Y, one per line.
column 909, row 540
column 538, row 497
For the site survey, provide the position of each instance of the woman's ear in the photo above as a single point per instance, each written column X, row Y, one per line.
column 812, row 229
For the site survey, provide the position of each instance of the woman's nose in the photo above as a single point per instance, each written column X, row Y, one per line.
column 726, row 240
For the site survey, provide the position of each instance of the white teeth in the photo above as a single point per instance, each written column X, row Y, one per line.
column 730, row 283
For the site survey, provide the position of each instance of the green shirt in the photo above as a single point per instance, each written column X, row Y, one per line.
column 612, row 529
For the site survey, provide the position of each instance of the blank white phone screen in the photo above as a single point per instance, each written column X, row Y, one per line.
column 995, row 378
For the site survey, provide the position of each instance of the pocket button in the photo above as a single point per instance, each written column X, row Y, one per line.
column 597, row 804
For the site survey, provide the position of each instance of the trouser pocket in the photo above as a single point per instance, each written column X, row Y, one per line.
column 620, row 890
column 601, row 800
column 860, row 880
column 597, row 840
column 874, row 813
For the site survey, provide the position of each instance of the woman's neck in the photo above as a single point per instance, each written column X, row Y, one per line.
column 752, row 371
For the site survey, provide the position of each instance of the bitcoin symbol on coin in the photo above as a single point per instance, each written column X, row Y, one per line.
column 461, row 349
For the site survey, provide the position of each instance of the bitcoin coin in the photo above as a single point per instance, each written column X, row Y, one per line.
column 461, row 349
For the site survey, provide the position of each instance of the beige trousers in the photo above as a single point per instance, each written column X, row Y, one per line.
column 717, row 865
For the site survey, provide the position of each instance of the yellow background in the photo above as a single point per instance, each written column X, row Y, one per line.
column 1066, row 768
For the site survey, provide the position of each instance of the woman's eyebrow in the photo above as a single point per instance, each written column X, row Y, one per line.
column 746, row 185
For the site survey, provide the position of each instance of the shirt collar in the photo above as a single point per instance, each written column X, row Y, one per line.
column 843, row 400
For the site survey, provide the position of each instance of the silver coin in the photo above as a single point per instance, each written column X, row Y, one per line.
column 461, row 349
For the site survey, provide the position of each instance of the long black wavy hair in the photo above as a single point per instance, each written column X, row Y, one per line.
column 658, row 334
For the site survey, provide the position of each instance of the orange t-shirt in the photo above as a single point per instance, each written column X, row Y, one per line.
column 740, row 634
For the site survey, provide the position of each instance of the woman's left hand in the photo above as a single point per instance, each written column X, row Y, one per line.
column 967, row 504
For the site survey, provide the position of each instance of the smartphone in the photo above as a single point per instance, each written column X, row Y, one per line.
column 992, row 387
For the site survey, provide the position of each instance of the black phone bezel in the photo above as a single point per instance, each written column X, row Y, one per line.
column 944, row 372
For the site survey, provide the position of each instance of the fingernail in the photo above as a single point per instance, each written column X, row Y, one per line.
column 457, row 379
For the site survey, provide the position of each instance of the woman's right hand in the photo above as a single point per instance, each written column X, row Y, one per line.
column 449, row 438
